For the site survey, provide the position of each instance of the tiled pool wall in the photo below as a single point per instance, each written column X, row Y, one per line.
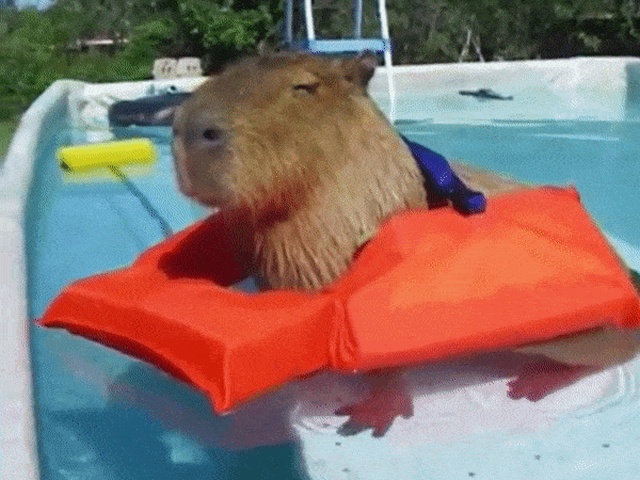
column 573, row 89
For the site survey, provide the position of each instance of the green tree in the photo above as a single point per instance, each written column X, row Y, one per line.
column 34, row 46
column 28, row 60
column 216, row 31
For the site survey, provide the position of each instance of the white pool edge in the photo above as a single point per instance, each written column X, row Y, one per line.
column 18, row 441
column 18, row 436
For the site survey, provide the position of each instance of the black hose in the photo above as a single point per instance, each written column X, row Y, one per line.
column 164, row 225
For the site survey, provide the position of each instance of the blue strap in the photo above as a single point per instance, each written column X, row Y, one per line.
column 442, row 183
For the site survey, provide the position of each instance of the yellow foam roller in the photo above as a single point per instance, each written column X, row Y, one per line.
column 121, row 153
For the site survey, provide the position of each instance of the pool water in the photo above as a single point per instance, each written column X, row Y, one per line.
column 102, row 415
column 602, row 159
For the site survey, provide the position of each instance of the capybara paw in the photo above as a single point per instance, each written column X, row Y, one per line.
column 377, row 412
column 538, row 379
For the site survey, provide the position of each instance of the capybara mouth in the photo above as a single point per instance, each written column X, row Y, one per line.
column 186, row 188
column 208, row 202
column 184, row 185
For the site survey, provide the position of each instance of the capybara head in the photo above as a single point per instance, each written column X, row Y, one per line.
column 254, row 135
column 300, row 158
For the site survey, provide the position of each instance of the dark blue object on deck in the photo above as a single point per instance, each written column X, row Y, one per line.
column 149, row 111
column 442, row 183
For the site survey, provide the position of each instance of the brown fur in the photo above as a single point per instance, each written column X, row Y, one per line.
column 309, row 176
column 308, row 168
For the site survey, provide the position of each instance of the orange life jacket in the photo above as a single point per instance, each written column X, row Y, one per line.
column 432, row 284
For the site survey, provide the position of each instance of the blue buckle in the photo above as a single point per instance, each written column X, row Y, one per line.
column 443, row 184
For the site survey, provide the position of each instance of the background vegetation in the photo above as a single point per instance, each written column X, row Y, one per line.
column 37, row 48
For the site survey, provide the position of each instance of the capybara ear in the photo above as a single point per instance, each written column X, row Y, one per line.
column 262, row 49
column 265, row 49
column 360, row 69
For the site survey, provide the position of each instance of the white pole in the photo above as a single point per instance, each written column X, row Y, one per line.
column 308, row 15
column 288, row 19
column 384, row 27
column 358, row 20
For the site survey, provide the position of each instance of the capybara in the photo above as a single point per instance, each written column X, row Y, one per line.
column 305, row 167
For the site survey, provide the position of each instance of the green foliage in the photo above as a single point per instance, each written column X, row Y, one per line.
column 26, row 55
column 7, row 128
column 223, row 27
column 11, row 107
column 147, row 41
column 219, row 31
column 35, row 46
column 100, row 67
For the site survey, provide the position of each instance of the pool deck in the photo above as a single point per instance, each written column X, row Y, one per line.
column 594, row 88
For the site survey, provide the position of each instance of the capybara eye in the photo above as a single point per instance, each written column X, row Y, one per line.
column 309, row 88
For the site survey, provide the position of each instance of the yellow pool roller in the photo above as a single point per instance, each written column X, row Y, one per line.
column 100, row 159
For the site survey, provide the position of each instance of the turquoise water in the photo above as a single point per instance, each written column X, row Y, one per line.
column 165, row 430
column 602, row 159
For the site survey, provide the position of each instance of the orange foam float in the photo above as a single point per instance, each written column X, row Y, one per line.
column 433, row 284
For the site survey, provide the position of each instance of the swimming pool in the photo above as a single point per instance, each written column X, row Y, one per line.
column 101, row 415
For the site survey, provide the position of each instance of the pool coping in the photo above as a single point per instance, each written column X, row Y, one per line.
column 18, row 442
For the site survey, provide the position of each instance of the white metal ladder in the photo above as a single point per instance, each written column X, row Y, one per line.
column 356, row 44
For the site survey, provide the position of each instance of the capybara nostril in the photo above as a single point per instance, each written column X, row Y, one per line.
column 212, row 135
